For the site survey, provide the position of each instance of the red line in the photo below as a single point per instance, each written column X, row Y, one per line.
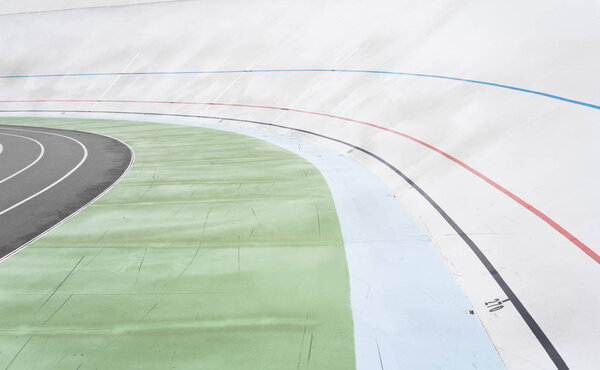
column 499, row 187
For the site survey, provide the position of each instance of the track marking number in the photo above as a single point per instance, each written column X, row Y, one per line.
column 496, row 304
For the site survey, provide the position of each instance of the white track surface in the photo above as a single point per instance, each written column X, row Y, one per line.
column 543, row 150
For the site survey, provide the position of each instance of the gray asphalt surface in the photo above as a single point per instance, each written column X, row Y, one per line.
column 47, row 155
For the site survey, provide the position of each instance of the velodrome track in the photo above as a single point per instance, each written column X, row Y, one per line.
column 496, row 173
column 47, row 175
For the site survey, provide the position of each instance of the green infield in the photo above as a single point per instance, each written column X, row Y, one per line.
column 215, row 251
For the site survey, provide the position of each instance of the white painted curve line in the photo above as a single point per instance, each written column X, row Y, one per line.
column 85, row 155
column 80, row 209
column 42, row 150
column 1, row 148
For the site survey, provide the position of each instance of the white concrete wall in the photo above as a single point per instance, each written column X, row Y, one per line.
column 541, row 149
column 30, row 6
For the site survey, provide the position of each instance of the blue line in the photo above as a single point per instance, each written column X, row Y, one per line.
column 551, row 96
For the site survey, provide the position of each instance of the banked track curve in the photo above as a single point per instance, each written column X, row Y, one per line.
column 536, row 330
column 538, row 213
column 334, row 70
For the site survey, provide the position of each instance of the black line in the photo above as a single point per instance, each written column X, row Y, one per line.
column 256, row 218
column 18, row 353
column 379, row 353
column 206, row 220
column 318, row 220
column 301, row 345
column 141, row 263
column 189, row 263
column 310, row 348
column 58, row 309
column 529, row 320
column 148, row 313
column 63, row 281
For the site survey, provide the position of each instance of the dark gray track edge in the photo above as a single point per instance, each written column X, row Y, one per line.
column 108, row 161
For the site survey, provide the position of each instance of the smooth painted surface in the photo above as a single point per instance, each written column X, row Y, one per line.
column 34, row 6
column 408, row 311
column 215, row 251
column 543, row 150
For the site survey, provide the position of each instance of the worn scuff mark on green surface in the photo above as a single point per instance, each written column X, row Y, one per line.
column 216, row 251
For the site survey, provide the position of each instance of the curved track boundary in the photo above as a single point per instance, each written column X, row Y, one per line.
column 441, row 77
column 42, row 150
column 104, row 163
column 553, row 224
column 523, row 312
column 83, row 159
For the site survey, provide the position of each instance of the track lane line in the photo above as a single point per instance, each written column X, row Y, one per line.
column 536, row 330
column 85, row 155
column 545, row 218
column 24, row 245
column 328, row 70
column 42, row 150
